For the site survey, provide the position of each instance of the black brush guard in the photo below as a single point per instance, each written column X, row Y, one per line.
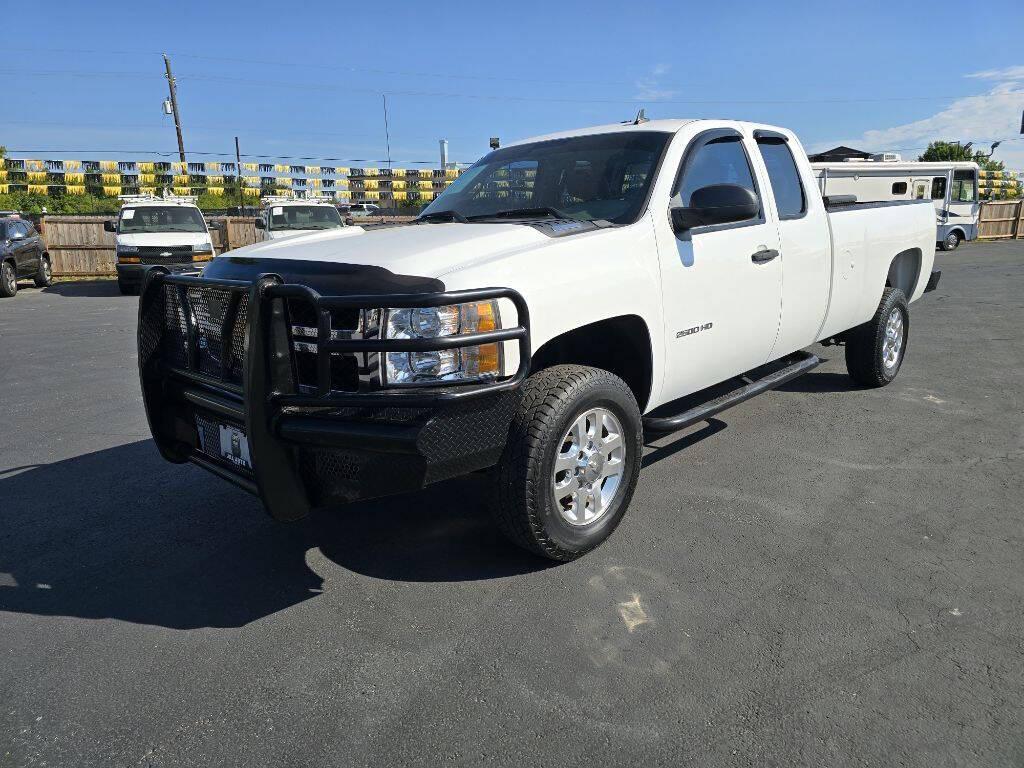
column 310, row 449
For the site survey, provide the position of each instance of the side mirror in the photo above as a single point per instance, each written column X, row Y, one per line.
column 716, row 204
column 260, row 224
column 109, row 226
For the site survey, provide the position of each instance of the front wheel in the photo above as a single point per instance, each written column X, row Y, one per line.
column 571, row 463
column 8, row 280
column 126, row 289
column 875, row 350
column 952, row 241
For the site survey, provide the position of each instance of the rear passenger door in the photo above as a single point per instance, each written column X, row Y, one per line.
column 805, row 242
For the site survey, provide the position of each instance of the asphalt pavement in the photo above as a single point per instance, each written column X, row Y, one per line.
column 822, row 576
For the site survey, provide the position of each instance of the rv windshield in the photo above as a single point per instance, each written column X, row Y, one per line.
column 161, row 218
column 602, row 176
column 303, row 217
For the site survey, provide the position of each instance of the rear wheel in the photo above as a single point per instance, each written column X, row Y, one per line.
column 875, row 350
column 8, row 280
column 571, row 463
column 44, row 277
column 952, row 241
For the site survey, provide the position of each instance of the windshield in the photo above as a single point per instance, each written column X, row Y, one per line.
column 303, row 217
column 156, row 218
column 604, row 176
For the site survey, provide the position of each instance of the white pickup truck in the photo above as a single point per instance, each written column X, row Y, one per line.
column 565, row 294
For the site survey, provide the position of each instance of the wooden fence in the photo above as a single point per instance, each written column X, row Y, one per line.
column 1001, row 220
column 79, row 247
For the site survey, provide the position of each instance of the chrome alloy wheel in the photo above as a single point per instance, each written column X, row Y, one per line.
column 589, row 467
column 892, row 344
column 47, row 270
column 8, row 276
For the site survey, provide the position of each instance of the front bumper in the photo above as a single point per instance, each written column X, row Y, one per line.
column 135, row 274
column 203, row 370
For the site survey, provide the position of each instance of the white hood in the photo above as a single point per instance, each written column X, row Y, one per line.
column 281, row 234
column 164, row 238
column 420, row 249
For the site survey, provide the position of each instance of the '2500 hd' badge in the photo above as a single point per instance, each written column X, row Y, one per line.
column 695, row 329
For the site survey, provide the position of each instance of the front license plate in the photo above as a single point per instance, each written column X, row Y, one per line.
column 234, row 447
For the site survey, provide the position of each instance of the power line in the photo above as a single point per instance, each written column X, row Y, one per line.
column 325, row 87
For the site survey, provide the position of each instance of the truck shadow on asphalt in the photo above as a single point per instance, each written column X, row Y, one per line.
column 122, row 534
column 85, row 288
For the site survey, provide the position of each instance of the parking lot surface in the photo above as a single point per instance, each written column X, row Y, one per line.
column 821, row 576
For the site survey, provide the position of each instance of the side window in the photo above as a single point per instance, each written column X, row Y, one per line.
column 720, row 161
column 784, row 176
column 964, row 187
column 939, row 188
column 899, row 188
column 30, row 231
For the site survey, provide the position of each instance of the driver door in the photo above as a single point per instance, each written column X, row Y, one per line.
column 721, row 285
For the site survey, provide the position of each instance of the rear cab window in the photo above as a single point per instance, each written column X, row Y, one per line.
column 784, row 176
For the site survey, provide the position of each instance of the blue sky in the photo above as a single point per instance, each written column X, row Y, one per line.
column 305, row 79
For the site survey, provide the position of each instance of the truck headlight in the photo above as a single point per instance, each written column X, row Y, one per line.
column 466, row 363
column 126, row 254
column 202, row 251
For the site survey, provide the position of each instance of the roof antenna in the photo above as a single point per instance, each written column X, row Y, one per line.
column 641, row 117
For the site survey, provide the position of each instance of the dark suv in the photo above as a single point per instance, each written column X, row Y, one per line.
column 23, row 255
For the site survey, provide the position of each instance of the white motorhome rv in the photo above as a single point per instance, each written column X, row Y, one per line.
column 952, row 187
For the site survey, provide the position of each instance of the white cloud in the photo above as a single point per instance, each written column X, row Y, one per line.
column 987, row 117
column 1010, row 73
column 650, row 88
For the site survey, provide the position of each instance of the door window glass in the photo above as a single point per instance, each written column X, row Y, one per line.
column 720, row 161
column 939, row 188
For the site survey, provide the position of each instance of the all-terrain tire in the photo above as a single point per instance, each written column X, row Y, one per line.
column 870, row 357
column 127, row 290
column 8, row 280
column 524, row 507
column 44, row 276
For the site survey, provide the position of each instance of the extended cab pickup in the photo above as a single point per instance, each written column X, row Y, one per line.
column 564, row 294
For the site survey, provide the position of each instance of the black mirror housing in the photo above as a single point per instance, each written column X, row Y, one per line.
column 109, row 226
column 716, row 204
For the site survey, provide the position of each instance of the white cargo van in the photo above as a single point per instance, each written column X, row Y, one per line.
column 166, row 231
column 289, row 216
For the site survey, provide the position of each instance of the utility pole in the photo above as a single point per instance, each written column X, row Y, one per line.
column 174, row 107
column 238, row 175
column 387, row 133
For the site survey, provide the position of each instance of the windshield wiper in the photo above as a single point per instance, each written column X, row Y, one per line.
column 441, row 216
column 515, row 213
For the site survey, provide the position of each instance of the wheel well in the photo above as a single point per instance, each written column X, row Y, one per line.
column 620, row 345
column 904, row 271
